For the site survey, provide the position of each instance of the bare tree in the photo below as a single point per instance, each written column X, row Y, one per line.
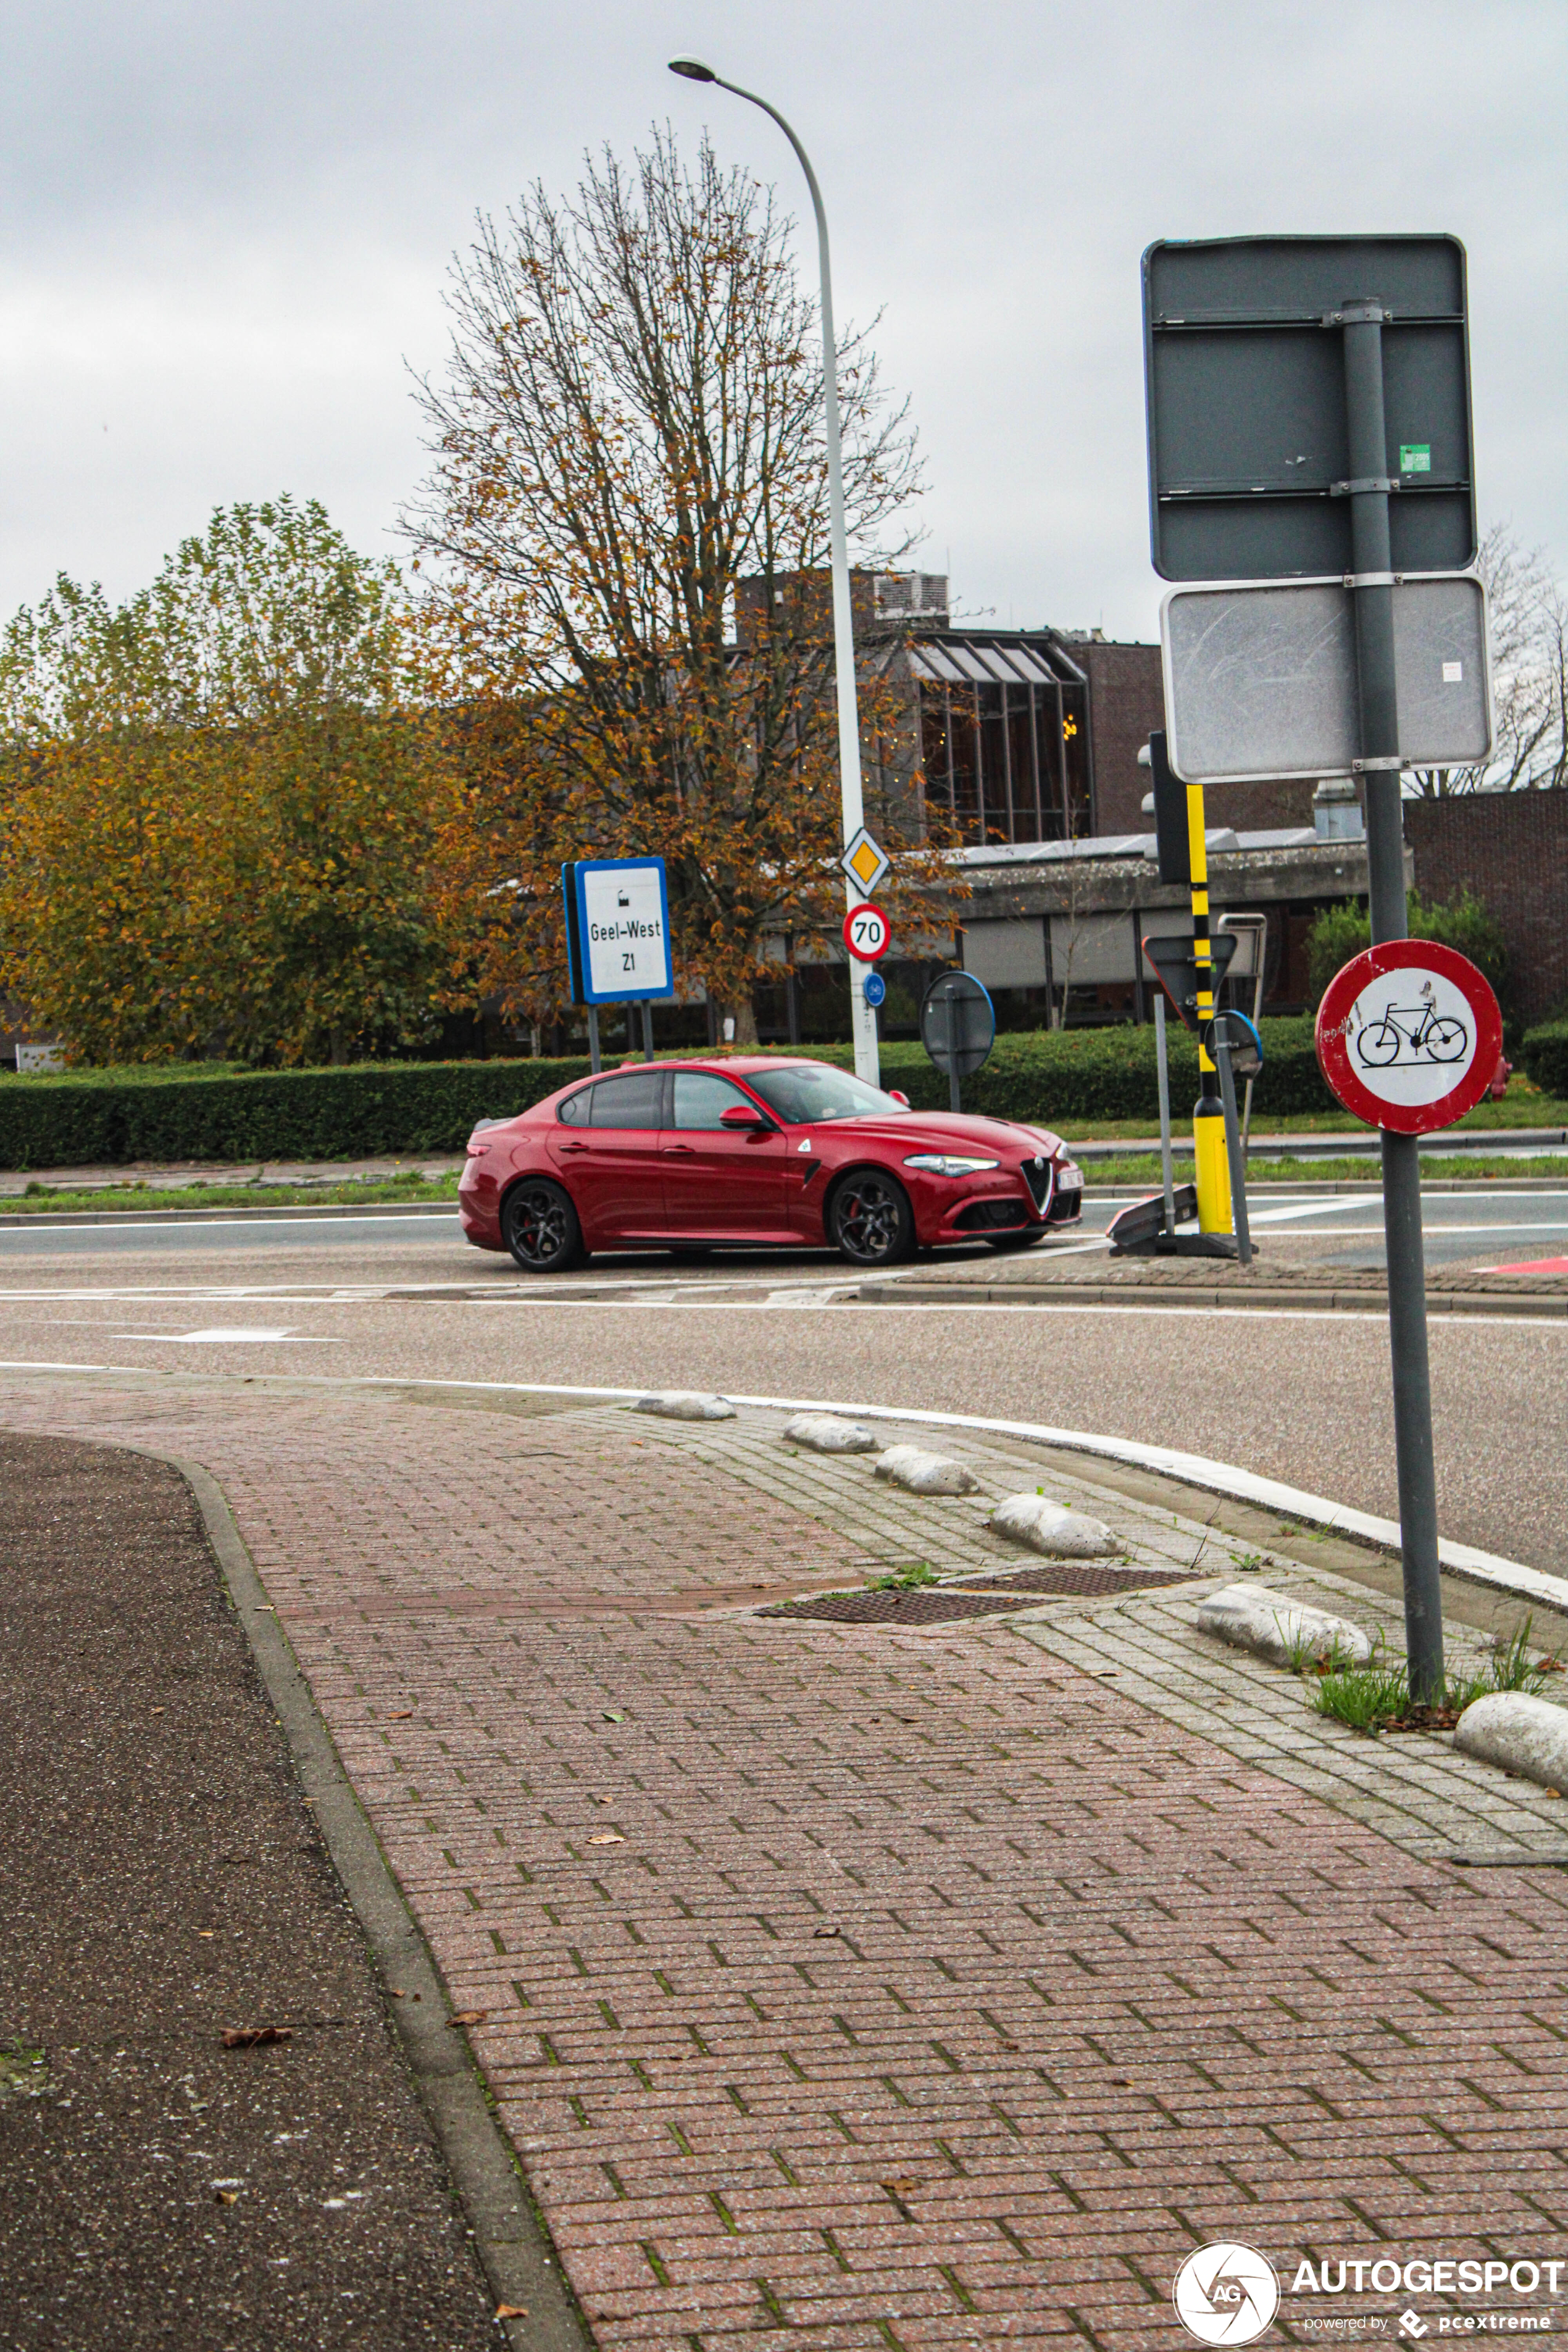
column 1528, row 618
column 632, row 424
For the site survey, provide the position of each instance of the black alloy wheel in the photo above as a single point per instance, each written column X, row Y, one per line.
column 540, row 1227
column 870, row 1221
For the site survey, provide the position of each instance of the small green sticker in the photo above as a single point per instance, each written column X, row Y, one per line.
column 1416, row 457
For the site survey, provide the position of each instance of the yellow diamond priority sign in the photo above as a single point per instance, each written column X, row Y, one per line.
column 865, row 862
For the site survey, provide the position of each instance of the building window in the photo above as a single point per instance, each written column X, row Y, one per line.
column 1002, row 739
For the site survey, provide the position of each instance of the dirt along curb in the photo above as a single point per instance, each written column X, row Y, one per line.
column 208, row 2136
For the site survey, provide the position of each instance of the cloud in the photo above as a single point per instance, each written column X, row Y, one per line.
column 229, row 230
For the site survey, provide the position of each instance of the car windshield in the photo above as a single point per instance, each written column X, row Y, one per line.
column 802, row 1093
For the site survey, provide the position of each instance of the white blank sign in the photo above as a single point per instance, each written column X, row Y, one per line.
column 1260, row 676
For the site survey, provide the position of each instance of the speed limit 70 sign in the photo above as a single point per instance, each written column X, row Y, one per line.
column 867, row 933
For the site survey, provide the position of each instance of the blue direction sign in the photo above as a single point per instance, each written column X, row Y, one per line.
column 617, row 929
column 876, row 988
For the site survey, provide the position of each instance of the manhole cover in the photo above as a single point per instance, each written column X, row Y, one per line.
column 910, row 1607
column 927, row 1604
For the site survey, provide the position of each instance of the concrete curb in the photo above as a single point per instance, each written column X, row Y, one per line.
column 510, row 2237
column 1260, row 1296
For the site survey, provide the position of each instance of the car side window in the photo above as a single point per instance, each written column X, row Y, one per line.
column 635, row 1100
column 701, row 1100
column 573, row 1111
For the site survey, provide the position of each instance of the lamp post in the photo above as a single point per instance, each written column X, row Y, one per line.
column 863, row 1021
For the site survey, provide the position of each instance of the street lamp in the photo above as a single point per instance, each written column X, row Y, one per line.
column 863, row 1021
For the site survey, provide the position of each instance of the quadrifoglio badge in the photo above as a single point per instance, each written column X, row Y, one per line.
column 1229, row 2294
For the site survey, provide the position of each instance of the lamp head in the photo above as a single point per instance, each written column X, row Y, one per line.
column 692, row 70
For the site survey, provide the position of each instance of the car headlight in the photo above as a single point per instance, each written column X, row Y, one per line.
column 948, row 1164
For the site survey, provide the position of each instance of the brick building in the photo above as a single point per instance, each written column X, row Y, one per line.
column 1512, row 850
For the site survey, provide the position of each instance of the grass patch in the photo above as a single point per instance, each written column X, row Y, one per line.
column 1377, row 1698
column 1522, row 1105
column 46, row 1200
column 904, row 1579
column 1470, row 1166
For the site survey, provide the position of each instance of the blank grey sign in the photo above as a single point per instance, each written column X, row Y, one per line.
column 1260, row 680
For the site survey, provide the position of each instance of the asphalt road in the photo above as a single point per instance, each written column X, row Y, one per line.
column 1296, row 1396
column 1494, row 1223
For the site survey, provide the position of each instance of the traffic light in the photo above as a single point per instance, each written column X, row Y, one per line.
column 1172, row 840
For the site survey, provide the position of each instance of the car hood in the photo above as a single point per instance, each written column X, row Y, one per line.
column 955, row 1131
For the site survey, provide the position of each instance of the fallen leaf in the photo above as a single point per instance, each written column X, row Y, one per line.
column 826, row 1931
column 467, row 2017
column 158, row 1710
column 511, row 2311
column 1555, row 1792
column 206, row 1933
column 225, row 2196
column 395, row 1994
column 245, row 2037
column 615, row 1715
column 400, row 1715
column 606, row 1837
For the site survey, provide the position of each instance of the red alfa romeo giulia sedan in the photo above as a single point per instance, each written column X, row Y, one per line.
column 687, row 1156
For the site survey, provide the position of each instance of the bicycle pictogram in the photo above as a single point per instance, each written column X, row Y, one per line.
column 1412, row 1033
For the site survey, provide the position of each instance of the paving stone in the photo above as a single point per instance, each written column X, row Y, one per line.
column 1132, row 1948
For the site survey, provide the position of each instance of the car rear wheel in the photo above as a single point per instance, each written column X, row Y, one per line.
column 870, row 1221
column 540, row 1227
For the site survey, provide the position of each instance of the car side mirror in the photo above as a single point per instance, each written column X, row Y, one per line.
column 742, row 1115
column 899, row 1097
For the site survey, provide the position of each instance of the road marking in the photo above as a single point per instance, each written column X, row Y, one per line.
column 221, row 1336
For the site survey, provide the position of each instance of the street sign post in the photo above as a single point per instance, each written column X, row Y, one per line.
column 958, row 1027
column 1188, row 862
column 868, row 934
column 617, row 938
column 1409, row 1036
column 1309, row 413
column 1260, row 676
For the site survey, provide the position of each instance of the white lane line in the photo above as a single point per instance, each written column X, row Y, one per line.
column 223, row 1337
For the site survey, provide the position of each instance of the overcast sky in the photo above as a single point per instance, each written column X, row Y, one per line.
column 229, row 224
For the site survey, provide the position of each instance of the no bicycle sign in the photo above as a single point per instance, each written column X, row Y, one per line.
column 1408, row 1035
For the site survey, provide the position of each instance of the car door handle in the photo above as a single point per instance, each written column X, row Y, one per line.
column 688, row 1149
column 574, row 1147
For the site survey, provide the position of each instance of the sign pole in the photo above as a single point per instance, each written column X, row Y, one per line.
column 594, row 1038
column 1373, row 587
column 648, row 1028
column 1233, row 1149
column 1163, row 1077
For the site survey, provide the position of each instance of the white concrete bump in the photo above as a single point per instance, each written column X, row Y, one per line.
column 1272, row 1626
column 1523, row 1735
column 1050, row 1528
column 829, row 1432
column 919, row 1473
column 686, row 1404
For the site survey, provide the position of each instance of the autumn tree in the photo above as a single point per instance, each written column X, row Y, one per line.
column 630, row 429
column 218, row 810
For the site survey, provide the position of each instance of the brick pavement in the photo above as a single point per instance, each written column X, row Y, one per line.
column 872, row 1988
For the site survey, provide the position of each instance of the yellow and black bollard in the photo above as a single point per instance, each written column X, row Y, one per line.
column 1213, row 1170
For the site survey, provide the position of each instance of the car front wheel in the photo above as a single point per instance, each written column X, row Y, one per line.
column 540, row 1227
column 870, row 1221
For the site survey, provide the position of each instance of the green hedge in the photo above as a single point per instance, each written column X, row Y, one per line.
column 1544, row 1053
column 106, row 1118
